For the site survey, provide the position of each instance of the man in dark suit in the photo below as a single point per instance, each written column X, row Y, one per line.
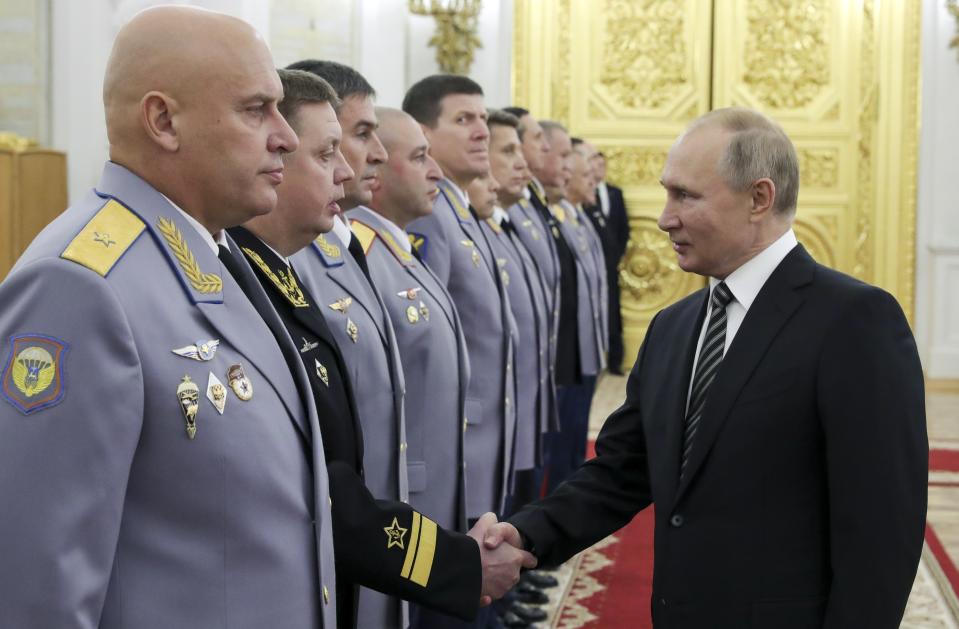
column 776, row 419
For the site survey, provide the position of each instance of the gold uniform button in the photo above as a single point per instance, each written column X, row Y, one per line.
column 326, row 595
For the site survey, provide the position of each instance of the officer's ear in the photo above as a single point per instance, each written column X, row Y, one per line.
column 157, row 111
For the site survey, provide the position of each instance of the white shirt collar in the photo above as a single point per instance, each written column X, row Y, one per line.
column 400, row 236
column 342, row 230
column 213, row 241
column 603, row 193
column 746, row 281
column 465, row 198
column 499, row 215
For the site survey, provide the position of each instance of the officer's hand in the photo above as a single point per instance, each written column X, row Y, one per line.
column 501, row 532
column 501, row 564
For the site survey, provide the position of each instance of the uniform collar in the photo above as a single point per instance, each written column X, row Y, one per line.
column 465, row 198
column 746, row 281
column 342, row 230
column 499, row 215
column 211, row 240
column 400, row 236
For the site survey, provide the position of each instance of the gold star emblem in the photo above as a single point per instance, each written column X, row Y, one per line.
column 395, row 534
column 103, row 239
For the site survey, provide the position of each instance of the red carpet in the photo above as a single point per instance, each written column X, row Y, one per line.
column 617, row 593
column 621, row 589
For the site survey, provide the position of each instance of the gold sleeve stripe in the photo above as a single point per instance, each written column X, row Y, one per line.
column 411, row 549
column 364, row 233
column 105, row 238
column 425, row 553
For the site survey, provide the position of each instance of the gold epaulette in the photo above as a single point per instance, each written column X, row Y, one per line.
column 105, row 238
column 559, row 212
column 364, row 233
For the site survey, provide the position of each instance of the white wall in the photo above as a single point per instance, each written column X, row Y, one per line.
column 937, row 249
column 379, row 38
column 394, row 51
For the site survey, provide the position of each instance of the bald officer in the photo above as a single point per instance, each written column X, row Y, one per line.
column 335, row 270
column 451, row 113
column 159, row 466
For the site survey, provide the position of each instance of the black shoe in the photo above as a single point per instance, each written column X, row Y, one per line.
column 527, row 613
column 539, row 578
column 510, row 619
column 529, row 594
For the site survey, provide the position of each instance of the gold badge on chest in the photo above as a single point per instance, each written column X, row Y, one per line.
column 474, row 254
column 188, row 395
column 322, row 373
column 216, row 393
column 342, row 305
column 239, row 382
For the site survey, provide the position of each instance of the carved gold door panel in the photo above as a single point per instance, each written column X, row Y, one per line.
column 841, row 76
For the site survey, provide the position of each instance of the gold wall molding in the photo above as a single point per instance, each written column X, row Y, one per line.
column 841, row 77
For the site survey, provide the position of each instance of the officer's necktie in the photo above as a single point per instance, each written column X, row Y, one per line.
column 710, row 357
column 357, row 252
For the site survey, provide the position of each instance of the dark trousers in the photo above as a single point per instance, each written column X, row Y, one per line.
column 616, row 350
column 566, row 449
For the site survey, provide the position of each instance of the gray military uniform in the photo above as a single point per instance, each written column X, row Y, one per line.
column 435, row 365
column 528, row 303
column 589, row 277
column 114, row 516
column 452, row 244
column 364, row 333
column 531, row 231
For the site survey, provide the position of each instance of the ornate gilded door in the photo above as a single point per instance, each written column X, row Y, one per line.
column 841, row 76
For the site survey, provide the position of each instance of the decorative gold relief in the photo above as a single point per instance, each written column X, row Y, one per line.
column 815, row 240
column 633, row 165
column 455, row 39
column 868, row 117
column 562, row 85
column 649, row 274
column 818, row 168
column 787, row 51
column 645, row 53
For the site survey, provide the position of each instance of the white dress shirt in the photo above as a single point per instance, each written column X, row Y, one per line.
column 603, row 193
column 744, row 283
column 342, row 229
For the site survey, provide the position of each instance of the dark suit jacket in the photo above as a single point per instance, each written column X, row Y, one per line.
column 618, row 221
column 804, row 499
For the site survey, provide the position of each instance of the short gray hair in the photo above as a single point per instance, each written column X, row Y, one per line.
column 758, row 149
column 303, row 88
column 550, row 127
column 502, row 118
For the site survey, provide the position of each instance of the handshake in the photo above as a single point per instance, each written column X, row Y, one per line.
column 501, row 556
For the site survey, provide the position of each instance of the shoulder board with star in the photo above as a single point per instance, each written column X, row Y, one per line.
column 364, row 233
column 461, row 211
column 331, row 254
column 386, row 237
column 105, row 238
column 559, row 212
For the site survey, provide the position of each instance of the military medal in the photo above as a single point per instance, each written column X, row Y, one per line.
column 322, row 373
column 474, row 254
column 342, row 305
column 307, row 346
column 189, row 396
column 409, row 293
column 424, row 311
column 352, row 330
column 555, row 232
column 239, row 382
column 216, row 393
column 412, row 314
column 202, row 351
column 503, row 274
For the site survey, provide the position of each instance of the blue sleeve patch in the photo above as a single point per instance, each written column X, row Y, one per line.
column 33, row 376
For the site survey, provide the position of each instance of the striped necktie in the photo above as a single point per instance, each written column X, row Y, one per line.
column 710, row 357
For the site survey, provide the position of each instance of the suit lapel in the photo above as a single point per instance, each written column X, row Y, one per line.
column 773, row 307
